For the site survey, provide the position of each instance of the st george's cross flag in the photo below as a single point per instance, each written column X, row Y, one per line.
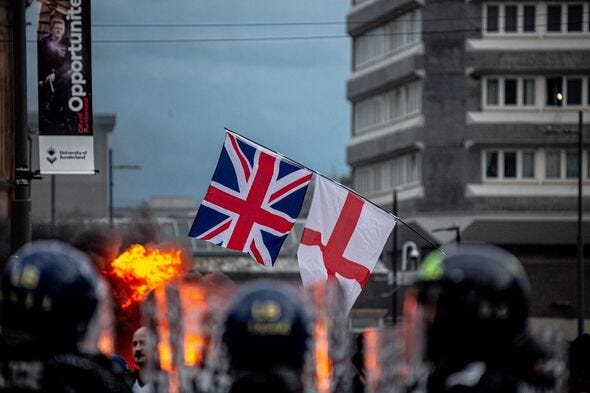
column 342, row 239
column 253, row 200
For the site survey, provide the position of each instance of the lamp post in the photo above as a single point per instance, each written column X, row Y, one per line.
column 20, row 212
column 454, row 228
column 111, row 183
column 579, row 241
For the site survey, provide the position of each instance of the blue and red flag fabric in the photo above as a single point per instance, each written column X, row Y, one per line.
column 253, row 200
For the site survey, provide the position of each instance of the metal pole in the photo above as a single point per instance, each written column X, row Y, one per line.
column 111, row 187
column 20, row 212
column 394, row 264
column 580, row 254
column 53, row 200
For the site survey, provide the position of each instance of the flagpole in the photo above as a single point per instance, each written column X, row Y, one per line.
column 341, row 185
column 394, row 264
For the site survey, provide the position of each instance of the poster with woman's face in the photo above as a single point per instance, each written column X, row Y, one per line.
column 64, row 85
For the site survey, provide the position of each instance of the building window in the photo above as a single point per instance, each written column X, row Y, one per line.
column 387, row 108
column 554, row 17
column 509, row 91
column 387, row 39
column 529, row 15
column 538, row 17
column 510, row 18
column 509, row 164
column 553, row 164
column 521, row 92
column 574, row 17
column 522, row 164
column 554, row 91
column 528, row 164
column 402, row 171
column 492, row 92
column 574, row 91
column 492, row 18
column 492, row 164
column 529, row 88
column 571, row 165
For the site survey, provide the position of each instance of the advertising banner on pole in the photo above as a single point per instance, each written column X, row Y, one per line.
column 66, row 144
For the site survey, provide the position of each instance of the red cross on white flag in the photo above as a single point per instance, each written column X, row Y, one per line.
column 343, row 238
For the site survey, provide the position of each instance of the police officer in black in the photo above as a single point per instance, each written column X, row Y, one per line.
column 473, row 305
column 50, row 294
column 266, row 335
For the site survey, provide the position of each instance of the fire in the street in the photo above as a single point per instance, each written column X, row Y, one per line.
column 142, row 269
column 193, row 307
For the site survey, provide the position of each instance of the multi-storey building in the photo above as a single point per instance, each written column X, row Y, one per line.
column 460, row 106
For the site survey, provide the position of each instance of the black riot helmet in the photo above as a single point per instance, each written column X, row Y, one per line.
column 266, row 328
column 49, row 294
column 475, row 300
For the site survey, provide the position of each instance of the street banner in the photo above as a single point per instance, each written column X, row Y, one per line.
column 253, row 200
column 66, row 144
column 343, row 238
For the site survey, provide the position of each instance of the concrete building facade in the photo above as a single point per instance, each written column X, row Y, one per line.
column 461, row 107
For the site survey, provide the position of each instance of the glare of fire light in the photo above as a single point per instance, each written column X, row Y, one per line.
column 144, row 269
column 164, row 342
column 164, row 346
column 371, row 361
column 192, row 303
column 322, row 357
column 410, row 335
column 106, row 344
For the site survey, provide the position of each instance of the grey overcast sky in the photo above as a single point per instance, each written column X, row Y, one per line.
column 172, row 100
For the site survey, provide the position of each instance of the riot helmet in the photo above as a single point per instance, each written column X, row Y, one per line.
column 50, row 292
column 474, row 301
column 266, row 327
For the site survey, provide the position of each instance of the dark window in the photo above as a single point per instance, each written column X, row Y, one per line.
column 554, row 92
column 574, row 17
column 554, row 18
column 509, row 164
column 492, row 20
column 552, row 164
column 510, row 18
column 492, row 92
column 574, row 92
column 528, row 164
column 510, row 92
column 492, row 164
column 571, row 165
column 529, row 18
column 528, row 97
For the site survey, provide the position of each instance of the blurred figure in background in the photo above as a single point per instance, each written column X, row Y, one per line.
column 472, row 309
column 266, row 335
column 48, row 310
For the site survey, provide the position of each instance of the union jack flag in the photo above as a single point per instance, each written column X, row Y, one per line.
column 253, row 200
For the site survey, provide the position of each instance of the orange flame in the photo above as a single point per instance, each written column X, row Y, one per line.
column 192, row 302
column 323, row 361
column 106, row 344
column 372, row 367
column 143, row 269
column 322, row 346
column 165, row 343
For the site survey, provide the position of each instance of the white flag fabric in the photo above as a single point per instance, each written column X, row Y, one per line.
column 342, row 239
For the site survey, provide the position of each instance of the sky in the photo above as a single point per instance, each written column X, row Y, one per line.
column 172, row 100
